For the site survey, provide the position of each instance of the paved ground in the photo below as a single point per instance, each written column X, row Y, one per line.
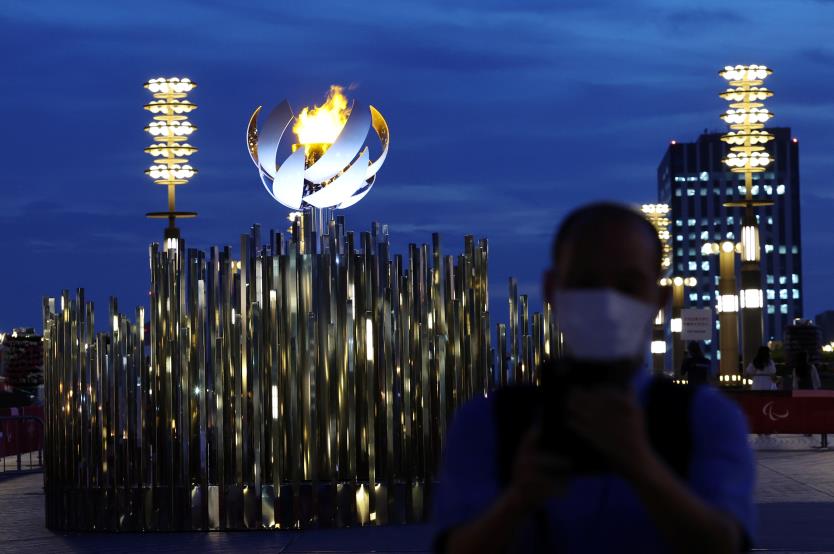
column 795, row 498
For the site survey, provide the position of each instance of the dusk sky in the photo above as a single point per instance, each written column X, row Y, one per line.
column 503, row 116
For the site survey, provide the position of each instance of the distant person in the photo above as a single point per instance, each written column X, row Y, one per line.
column 805, row 374
column 695, row 367
column 762, row 370
column 611, row 459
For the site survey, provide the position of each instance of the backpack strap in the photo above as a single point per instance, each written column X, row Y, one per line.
column 516, row 409
column 668, row 421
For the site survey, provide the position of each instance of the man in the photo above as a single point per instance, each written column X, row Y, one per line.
column 696, row 366
column 604, row 288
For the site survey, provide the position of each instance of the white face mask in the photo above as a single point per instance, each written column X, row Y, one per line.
column 603, row 324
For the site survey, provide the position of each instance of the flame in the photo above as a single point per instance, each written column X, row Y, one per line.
column 322, row 124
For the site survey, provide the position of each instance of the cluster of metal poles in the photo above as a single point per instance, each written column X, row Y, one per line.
column 307, row 383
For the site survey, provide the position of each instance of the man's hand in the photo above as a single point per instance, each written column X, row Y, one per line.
column 612, row 422
column 537, row 475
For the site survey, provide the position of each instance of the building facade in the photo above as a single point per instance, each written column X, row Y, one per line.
column 694, row 182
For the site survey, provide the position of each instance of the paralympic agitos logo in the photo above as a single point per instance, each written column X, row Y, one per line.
column 768, row 410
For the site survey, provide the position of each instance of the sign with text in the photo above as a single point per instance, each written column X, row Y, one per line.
column 697, row 324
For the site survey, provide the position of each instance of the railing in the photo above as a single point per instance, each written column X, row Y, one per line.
column 21, row 436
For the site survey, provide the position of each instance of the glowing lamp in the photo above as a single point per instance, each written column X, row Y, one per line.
column 170, row 130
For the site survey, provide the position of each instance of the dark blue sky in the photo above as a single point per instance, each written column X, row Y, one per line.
column 503, row 115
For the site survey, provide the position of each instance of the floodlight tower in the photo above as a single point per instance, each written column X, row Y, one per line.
column 747, row 139
column 658, row 216
column 170, row 130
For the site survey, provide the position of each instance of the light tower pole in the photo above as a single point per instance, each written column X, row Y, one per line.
column 678, row 285
column 727, row 304
column 658, row 216
column 170, row 130
column 747, row 139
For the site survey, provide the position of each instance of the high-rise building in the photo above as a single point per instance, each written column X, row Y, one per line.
column 694, row 182
column 825, row 321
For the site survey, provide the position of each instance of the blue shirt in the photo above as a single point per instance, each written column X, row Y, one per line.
column 600, row 513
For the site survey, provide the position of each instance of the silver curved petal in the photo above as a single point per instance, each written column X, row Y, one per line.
column 356, row 197
column 267, row 182
column 342, row 188
column 252, row 136
column 381, row 127
column 288, row 186
column 344, row 148
column 269, row 137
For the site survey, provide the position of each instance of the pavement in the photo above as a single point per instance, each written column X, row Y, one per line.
column 795, row 501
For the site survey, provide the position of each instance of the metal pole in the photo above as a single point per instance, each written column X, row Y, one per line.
column 728, row 306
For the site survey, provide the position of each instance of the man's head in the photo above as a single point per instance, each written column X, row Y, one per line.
column 607, row 258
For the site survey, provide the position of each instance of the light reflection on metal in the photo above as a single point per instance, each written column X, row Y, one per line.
column 307, row 383
column 324, row 175
column 170, row 130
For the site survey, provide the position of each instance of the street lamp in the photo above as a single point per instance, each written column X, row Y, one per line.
column 727, row 303
column 746, row 117
column 170, row 130
column 658, row 216
column 678, row 285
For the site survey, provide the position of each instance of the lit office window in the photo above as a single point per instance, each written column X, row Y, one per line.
column 703, row 192
column 770, row 220
column 692, row 236
column 704, row 176
column 679, row 252
column 692, row 252
column 795, row 294
column 704, row 235
column 693, row 296
column 782, row 279
column 794, row 278
column 679, row 238
column 693, row 266
column 770, row 279
column 716, row 280
column 768, row 189
column 678, row 192
column 717, row 235
column 680, row 267
column 729, row 191
column 780, row 189
column 730, row 235
column 717, row 325
column 690, row 192
column 690, row 222
column 692, row 178
column 679, row 179
column 678, row 223
column 794, row 250
column 783, row 294
column 783, row 249
column 768, row 248
column 706, row 297
column 730, row 220
column 705, row 265
column 771, row 309
column 783, row 308
column 771, row 294
column 742, row 190
column 754, row 189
